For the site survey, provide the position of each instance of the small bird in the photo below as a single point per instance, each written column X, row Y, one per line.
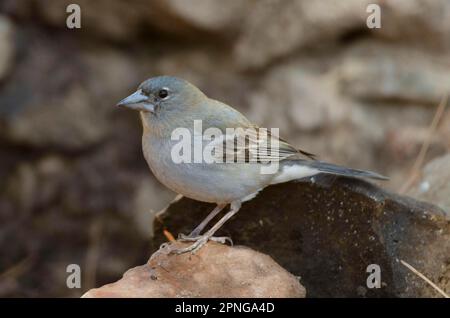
column 168, row 103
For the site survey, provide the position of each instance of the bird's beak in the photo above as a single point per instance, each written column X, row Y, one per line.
column 137, row 101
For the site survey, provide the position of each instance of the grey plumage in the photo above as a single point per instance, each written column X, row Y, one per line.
column 166, row 103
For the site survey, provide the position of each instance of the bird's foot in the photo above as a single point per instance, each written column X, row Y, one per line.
column 164, row 248
column 186, row 238
column 189, row 238
column 199, row 241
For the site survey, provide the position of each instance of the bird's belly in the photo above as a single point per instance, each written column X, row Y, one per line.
column 218, row 183
column 210, row 183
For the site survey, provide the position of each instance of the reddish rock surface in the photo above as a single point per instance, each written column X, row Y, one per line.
column 214, row 271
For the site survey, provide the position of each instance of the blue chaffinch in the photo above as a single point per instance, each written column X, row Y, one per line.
column 166, row 103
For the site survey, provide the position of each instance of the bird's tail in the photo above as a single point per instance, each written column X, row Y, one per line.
column 299, row 168
column 343, row 171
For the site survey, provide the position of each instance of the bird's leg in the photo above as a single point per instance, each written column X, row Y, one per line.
column 196, row 232
column 203, row 239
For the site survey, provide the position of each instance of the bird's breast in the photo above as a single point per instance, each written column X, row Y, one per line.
column 218, row 183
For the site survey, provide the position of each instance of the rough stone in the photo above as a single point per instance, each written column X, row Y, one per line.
column 68, row 123
column 204, row 13
column 62, row 105
column 424, row 23
column 308, row 100
column 379, row 72
column 215, row 271
column 126, row 21
column 302, row 23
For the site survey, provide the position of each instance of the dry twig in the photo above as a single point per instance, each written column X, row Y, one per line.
column 415, row 271
column 168, row 235
column 415, row 171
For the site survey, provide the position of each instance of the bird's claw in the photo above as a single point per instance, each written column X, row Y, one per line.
column 186, row 238
column 199, row 241
column 165, row 248
column 221, row 239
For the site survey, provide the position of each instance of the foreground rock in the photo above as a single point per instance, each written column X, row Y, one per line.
column 215, row 271
column 329, row 232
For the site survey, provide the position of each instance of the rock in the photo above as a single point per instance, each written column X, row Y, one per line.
column 215, row 271
column 7, row 46
column 38, row 184
column 330, row 231
column 301, row 23
column 434, row 185
column 69, row 122
column 204, row 13
column 376, row 72
column 43, row 107
column 76, row 203
column 63, row 105
column 302, row 97
column 125, row 21
column 419, row 22
column 113, row 20
column 110, row 74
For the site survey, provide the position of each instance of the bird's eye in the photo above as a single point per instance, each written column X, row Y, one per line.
column 163, row 93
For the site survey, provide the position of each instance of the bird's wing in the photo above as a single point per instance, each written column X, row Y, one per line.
column 248, row 142
column 254, row 144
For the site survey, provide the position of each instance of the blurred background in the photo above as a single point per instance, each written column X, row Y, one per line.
column 74, row 186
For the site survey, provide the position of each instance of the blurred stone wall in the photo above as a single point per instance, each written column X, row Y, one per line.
column 74, row 187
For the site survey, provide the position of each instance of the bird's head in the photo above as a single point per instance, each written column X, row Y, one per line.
column 161, row 95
